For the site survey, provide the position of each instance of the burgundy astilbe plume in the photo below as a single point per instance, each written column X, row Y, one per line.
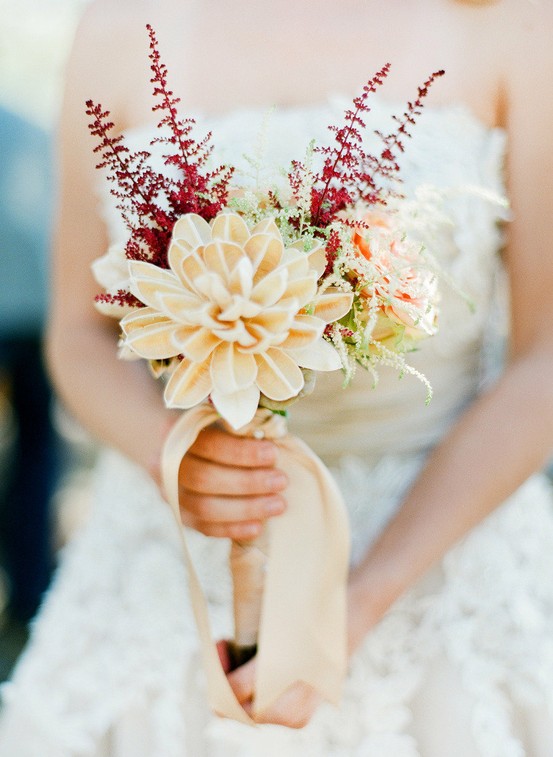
column 137, row 186
column 150, row 201
column 336, row 184
column 196, row 190
column 350, row 174
column 385, row 165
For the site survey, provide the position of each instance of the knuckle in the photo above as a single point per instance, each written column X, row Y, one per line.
column 244, row 531
column 203, row 508
column 296, row 725
column 194, row 477
column 264, row 453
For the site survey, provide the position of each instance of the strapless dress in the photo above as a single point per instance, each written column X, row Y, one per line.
column 462, row 665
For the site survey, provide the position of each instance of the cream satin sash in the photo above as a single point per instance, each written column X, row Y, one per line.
column 302, row 634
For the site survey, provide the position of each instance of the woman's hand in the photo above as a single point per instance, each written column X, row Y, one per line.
column 230, row 485
column 293, row 709
column 297, row 705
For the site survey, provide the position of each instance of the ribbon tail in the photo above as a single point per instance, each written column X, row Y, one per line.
column 182, row 436
column 303, row 623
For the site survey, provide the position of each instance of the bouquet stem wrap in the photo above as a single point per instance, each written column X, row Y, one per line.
column 248, row 567
column 302, row 623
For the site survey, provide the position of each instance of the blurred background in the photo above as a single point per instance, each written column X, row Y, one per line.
column 44, row 457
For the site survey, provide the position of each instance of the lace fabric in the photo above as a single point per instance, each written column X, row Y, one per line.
column 459, row 662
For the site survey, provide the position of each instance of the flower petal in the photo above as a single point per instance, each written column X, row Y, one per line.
column 210, row 286
column 238, row 307
column 222, row 257
column 295, row 262
column 305, row 330
column 230, row 227
column 148, row 282
column 317, row 260
column 114, row 310
column 266, row 226
column 240, row 281
column 270, row 288
column 111, row 271
column 265, row 252
column 278, row 375
column 232, row 370
column 192, row 230
column 277, row 319
column 301, row 290
column 262, row 338
column 189, row 311
column 191, row 267
column 188, row 385
column 315, row 255
column 235, row 331
column 149, row 334
column 237, row 408
column 196, row 344
column 332, row 305
column 319, row 356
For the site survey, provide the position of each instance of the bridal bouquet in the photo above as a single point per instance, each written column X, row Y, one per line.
column 238, row 296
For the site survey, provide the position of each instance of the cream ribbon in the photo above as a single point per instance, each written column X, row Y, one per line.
column 302, row 633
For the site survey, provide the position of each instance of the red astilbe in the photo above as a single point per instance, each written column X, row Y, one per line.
column 336, row 184
column 137, row 187
column 121, row 299
column 150, row 201
column 349, row 174
column 332, row 247
column 197, row 190
column 386, row 165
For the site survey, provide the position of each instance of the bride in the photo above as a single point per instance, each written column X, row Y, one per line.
column 451, row 585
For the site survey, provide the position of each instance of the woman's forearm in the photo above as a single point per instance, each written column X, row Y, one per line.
column 117, row 401
column 504, row 437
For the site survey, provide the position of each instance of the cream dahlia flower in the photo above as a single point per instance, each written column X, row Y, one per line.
column 240, row 310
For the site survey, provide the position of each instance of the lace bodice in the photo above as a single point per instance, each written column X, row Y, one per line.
column 453, row 162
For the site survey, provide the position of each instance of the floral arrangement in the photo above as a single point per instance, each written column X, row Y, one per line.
column 236, row 296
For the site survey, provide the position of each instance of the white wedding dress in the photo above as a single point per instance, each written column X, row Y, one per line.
column 462, row 666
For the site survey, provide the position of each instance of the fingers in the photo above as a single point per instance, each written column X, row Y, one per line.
column 218, row 446
column 241, row 681
column 294, row 708
column 202, row 476
column 223, row 509
column 231, row 530
column 228, row 486
column 224, row 657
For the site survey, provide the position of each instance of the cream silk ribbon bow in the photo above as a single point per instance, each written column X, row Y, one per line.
column 302, row 634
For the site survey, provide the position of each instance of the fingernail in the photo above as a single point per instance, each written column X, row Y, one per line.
column 274, row 507
column 250, row 530
column 267, row 454
column 277, row 480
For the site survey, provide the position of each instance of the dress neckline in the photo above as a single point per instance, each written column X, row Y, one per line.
column 332, row 108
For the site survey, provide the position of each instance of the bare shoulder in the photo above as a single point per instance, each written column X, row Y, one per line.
column 109, row 60
column 505, row 22
column 526, row 51
column 517, row 27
